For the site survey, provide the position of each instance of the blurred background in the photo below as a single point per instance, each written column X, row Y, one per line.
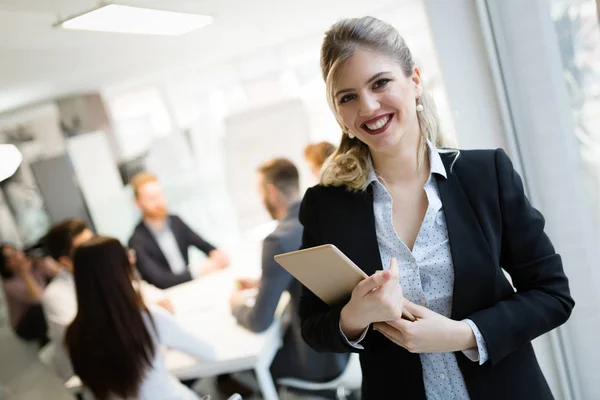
column 202, row 110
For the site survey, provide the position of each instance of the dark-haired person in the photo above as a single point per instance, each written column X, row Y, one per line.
column 24, row 280
column 279, row 187
column 114, row 341
column 59, row 301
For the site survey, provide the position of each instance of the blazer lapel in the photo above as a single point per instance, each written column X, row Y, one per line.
column 361, row 229
column 470, row 251
column 155, row 247
column 180, row 237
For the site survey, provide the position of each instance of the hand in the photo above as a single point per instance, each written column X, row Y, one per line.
column 50, row 267
column 376, row 299
column 166, row 304
column 208, row 267
column 246, row 283
column 219, row 258
column 23, row 266
column 430, row 333
column 131, row 256
column 237, row 299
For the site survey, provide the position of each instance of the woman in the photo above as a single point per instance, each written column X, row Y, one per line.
column 446, row 222
column 23, row 281
column 113, row 342
column 316, row 154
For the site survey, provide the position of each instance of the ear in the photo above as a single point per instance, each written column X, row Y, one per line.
column 416, row 80
column 272, row 192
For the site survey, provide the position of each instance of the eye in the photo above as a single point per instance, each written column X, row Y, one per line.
column 381, row 83
column 346, row 98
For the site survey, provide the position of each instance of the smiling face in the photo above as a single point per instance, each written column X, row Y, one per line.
column 376, row 101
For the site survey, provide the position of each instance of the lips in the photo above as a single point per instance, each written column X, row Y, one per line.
column 377, row 125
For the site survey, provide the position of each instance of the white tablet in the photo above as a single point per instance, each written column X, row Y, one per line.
column 325, row 270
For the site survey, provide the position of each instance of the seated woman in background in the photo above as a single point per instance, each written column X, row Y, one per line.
column 23, row 281
column 316, row 154
column 113, row 342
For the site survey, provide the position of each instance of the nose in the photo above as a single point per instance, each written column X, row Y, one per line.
column 368, row 105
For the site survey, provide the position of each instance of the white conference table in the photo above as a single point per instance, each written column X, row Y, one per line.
column 202, row 307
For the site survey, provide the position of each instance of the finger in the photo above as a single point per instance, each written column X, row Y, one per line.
column 407, row 315
column 416, row 310
column 394, row 267
column 373, row 282
column 389, row 332
column 401, row 325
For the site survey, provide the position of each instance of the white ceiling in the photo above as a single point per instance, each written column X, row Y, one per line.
column 38, row 61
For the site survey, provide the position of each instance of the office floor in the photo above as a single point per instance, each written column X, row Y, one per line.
column 22, row 375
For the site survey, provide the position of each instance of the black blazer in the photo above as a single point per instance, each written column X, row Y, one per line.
column 491, row 227
column 152, row 263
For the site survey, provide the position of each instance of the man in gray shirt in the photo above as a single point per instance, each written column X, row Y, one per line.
column 279, row 188
column 161, row 241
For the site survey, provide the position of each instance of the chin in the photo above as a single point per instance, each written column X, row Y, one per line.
column 384, row 141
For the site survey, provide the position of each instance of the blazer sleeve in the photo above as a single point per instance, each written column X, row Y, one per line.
column 320, row 322
column 542, row 300
column 154, row 273
column 273, row 282
column 193, row 238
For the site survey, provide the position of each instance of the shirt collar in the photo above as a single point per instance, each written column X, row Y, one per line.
column 166, row 227
column 436, row 165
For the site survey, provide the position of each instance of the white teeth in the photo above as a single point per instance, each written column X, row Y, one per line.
column 379, row 124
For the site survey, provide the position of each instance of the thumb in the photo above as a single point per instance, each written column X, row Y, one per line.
column 376, row 280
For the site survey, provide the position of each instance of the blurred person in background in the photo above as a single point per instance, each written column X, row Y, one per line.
column 278, row 185
column 316, row 154
column 24, row 280
column 436, row 229
column 59, row 300
column 114, row 341
column 161, row 240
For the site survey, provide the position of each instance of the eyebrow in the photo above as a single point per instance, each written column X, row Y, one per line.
column 374, row 77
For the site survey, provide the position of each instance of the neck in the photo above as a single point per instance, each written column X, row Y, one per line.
column 283, row 208
column 157, row 223
column 401, row 162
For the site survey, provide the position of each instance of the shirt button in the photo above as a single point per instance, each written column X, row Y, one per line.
column 442, row 376
column 414, row 265
column 423, row 301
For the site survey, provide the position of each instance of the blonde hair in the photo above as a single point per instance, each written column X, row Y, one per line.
column 349, row 164
column 139, row 180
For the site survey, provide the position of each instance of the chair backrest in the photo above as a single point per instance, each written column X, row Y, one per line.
column 351, row 378
column 46, row 354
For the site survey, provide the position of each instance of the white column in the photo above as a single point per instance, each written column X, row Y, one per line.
column 528, row 49
column 467, row 74
column 503, row 74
